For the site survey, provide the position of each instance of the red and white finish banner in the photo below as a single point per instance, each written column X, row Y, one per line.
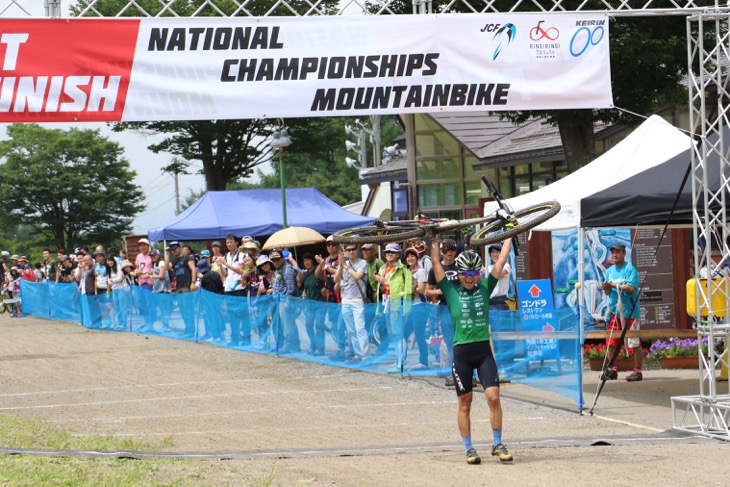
column 226, row 68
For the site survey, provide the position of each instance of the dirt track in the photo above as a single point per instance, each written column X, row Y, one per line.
column 301, row 418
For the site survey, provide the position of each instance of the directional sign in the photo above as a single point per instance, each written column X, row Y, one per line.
column 537, row 315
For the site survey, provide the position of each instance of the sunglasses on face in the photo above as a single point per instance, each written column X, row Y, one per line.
column 330, row 244
column 351, row 250
column 389, row 252
column 469, row 273
column 449, row 249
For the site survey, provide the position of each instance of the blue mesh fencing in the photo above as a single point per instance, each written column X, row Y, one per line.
column 415, row 340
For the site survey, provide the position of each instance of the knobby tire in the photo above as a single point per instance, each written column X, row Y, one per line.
column 526, row 218
column 382, row 232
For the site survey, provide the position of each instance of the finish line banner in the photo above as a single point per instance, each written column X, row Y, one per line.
column 230, row 68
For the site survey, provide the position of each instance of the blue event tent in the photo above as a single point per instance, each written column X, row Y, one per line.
column 256, row 212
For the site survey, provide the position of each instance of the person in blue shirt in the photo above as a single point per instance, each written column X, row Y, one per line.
column 622, row 288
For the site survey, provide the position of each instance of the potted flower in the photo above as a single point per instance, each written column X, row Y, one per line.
column 596, row 357
column 678, row 353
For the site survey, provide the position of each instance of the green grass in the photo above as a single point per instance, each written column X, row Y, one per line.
column 30, row 470
column 28, row 433
column 25, row 470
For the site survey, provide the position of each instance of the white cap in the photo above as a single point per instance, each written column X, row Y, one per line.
column 392, row 247
column 331, row 238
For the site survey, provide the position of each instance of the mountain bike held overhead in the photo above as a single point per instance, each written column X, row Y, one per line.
column 502, row 224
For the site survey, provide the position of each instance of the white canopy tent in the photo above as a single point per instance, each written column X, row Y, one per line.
column 652, row 143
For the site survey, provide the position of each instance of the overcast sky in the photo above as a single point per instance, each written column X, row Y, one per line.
column 158, row 187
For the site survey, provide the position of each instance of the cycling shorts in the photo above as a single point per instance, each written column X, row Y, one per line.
column 470, row 356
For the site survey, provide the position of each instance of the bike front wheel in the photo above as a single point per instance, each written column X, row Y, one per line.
column 381, row 232
column 521, row 221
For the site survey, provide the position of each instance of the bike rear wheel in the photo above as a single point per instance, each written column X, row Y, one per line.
column 521, row 221
column 381, row 232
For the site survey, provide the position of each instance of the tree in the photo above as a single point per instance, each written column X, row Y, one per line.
column 316, row 158
column 648, row 64
column 229, row 149
column 70, row 186
column 649, row 61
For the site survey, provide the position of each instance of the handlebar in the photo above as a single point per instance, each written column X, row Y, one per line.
column 505, row 211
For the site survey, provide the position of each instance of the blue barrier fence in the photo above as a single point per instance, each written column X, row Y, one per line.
column 547, row 359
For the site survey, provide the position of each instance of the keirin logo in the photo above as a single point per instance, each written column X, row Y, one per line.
column 584, row 38
column 503, row 36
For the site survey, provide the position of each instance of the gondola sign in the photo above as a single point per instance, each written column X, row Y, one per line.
column 537, row 315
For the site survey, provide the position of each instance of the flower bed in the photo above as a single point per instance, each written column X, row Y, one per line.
column 595, row 355
column 678, row 353
column 677, row 347
column 623, row 364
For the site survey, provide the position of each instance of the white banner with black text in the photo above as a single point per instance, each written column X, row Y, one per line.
column 231, row 68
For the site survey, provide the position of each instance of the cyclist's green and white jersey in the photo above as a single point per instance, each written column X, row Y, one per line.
column 469, row 310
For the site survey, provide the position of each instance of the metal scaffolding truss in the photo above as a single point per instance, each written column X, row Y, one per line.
column 708, row 43
column 257, row 8
column 709, row 96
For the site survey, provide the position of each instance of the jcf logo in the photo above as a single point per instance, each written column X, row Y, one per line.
column 503, row 36
column 490, row 27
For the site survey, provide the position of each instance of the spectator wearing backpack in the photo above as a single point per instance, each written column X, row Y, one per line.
column 231, row 266
column 313, row 317
column 351, row 276
column 185, row 274
column 396, row 284
column 26, row 271
column 285, row 284
column 370, row 255
column 326, row 269
column 416, row 320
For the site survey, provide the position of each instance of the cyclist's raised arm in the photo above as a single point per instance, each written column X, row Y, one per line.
column 438, row 269
column 502, row 259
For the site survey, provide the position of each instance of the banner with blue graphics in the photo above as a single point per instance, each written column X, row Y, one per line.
column 409, row 340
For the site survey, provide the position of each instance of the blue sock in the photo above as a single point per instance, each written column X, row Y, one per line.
column 497, row 436
column 467, row 442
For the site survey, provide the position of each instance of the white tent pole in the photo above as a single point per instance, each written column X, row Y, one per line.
column 581, row 311
column 581, row 276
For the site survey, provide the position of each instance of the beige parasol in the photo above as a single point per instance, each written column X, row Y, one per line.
column 293, row 237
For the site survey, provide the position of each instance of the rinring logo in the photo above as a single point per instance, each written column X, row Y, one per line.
column 584, row 38
column 537, row 33
column 503, row 36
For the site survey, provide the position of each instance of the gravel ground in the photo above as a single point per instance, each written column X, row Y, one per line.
column 319, row 425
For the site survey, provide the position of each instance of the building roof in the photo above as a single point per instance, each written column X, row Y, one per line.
column 393, row 170
column 499, row 142
column 495, row 142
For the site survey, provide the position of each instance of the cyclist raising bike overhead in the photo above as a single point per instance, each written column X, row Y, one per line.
column 468, row 305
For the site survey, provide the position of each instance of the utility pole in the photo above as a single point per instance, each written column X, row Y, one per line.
column 375, row 134
column 365, row 134
column 177, row 166
column 177, row 193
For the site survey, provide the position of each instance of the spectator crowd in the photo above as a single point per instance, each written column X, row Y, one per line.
column 400, row 280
